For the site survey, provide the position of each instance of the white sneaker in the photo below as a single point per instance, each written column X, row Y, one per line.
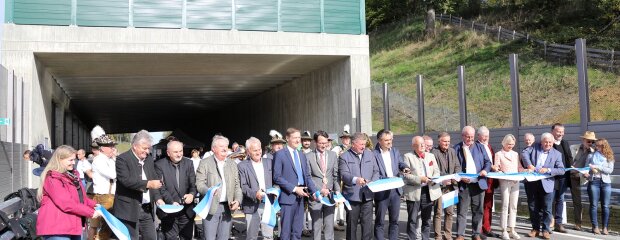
column 505, row 235
column 514, row 234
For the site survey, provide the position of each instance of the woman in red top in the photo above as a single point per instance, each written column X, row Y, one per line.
column 64, row 205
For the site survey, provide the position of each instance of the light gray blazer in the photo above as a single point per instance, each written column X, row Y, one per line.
column 333, row 178
column 208, row 175
column 413, row 187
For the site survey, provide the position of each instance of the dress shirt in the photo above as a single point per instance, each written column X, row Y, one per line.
column 82, row 166
column 220, row 168
column 260, row 173
column 387, row 161
column 541, row 160
column 104, row 170
column 471, row 165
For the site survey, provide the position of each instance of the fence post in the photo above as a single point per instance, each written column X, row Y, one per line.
column 450, row 20
column 460, row 21
column 513, row 34
column 527, row 37
column 582, row 78
column 545, row 46
column 499, row 33
column 472, row 25
column 462, row 96
column 485, row 28
column 421, row 122
column 440, row 17
column 611, row 61
column 386, row 107
column 513, row 59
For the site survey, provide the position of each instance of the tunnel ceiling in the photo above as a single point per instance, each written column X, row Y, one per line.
column 128, row 92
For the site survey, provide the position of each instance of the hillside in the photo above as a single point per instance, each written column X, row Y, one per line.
column 549, row 91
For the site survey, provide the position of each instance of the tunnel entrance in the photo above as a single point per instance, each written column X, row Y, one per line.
column 200, row 94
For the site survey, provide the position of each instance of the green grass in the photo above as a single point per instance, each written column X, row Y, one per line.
column 548, row 90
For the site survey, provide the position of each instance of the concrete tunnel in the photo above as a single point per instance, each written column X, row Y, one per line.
column 238, row 83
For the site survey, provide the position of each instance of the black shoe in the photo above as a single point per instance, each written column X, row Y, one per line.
column 306, row 233
column 491, row 234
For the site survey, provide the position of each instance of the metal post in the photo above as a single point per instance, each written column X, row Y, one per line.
column 233, row 15
column 386, row 107
column 499, row 33
column 421, row 123
column 279, row 15
column 513, row 59
column 462, row 96
column 358, row 100
column 582, row 79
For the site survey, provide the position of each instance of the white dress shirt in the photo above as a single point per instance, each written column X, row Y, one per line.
column 260, row 173
column 104, row 169
column 220, row 167
column 387, row 162
column 469, row 159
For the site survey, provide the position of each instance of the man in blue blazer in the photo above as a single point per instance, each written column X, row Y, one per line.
column 358, row 167
column 474, row 160
column 544, row 159
column 255, row 176
column 390, row 163
column 291, row 173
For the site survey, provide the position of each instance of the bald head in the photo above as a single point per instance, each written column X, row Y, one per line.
column 175, row 151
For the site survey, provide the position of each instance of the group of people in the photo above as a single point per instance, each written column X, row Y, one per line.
column 132, row 185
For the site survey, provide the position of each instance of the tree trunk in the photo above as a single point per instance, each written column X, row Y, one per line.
column 429, row 32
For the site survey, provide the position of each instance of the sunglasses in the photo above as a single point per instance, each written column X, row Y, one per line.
column 592, row 142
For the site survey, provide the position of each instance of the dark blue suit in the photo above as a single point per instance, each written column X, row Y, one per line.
column 540, row 193
column 285, row 176
column 472, row 194
column 360, row 197
column 388, row 201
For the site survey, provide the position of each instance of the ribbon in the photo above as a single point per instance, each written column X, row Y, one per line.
column 119, row 229
column 169, row 208
column 386, row 184
column 269, row 216
column 340, row 199
column 202, row 209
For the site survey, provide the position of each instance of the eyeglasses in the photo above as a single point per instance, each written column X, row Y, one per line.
column 592, row 142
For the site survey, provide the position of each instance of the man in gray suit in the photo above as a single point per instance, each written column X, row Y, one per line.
column 214, row 170
column 448, row 164
column 358, row 167
column 255, row 177
column 324, row 171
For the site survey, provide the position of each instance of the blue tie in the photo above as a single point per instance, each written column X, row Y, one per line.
column 300, row 176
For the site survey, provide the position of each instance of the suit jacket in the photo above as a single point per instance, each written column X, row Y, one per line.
column 208, row 175
column 350, row 167
column 130, row 186
column 249, row 183
column 332, row 176
column 421, row 167
column 397, row 165
column 567, row 156
column 553, row 162
column 187, row 182
column 448, row 165
column 285, row 175
column 481, row 159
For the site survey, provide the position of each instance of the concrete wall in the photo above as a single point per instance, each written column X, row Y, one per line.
column 21, row 42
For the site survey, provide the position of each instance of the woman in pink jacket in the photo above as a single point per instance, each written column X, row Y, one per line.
column 64, row 205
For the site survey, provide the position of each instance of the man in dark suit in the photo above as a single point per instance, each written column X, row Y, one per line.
column 358, row 167
column 291, row 173
column 474, row 160
column 255, row 177
column 544, row 159
column 448, row 164
column 390, row 163
column 562, row 182
column 179, row 188
column 137, row 187
column 323, row 165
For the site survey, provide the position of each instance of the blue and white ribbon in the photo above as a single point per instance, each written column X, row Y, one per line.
column 385, row 184
column 324, row 200
column 119, row 229
column 507, row 176
column 582, row 170
column 202, row 209
column 340, row 199
column 440, row 179
column 169, row 208
column 473, row 178
column 270, row 210
column 450, row 199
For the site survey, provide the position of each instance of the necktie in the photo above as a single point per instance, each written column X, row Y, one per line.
column 322, row 162
column 177, row 171
column 300, row 177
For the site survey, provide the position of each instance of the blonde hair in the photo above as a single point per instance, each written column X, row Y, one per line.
column 508, row 138
column 60, row 153
column 606, row 149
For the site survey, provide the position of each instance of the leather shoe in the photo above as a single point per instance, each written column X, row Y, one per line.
column 546, row 235
column 559, row 228
column 605, row 232
column 595, row 230
column 533, row 233
column 492, row 234
column 578, row 227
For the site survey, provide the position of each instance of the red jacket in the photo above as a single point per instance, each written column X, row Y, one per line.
column 61, row 211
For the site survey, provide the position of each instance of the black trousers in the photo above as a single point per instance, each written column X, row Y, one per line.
column 360, row 212
column 177, row 226
column 145, row 225
column 425, row 206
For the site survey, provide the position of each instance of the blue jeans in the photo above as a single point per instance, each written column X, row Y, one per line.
column 62, row 237
column 598, row 190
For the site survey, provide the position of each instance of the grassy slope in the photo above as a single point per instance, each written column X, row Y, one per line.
column 548, row 90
